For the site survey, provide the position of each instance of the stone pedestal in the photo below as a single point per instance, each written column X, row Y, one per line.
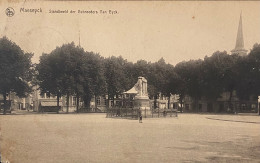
column 144, row 104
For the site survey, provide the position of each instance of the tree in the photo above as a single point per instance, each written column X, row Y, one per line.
column 15, row 70
column 254, row 57
column 49, row 75
column 218, row 74
column 249, row 75
column 115, row 76
column 190, row 77
column 69, row 70
column 246, row 78
column 173, row 84
column 76, row 72
column 93, row 74
column 252, row 66
column 60, row 72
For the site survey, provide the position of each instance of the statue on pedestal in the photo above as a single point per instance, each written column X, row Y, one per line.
column 141, row 99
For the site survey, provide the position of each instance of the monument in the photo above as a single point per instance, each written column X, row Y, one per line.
column 141, row 99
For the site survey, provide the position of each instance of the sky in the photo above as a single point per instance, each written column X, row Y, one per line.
column 149, row 30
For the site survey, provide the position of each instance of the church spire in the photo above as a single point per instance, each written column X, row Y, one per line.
column 239, row 48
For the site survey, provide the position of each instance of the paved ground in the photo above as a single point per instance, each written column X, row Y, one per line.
column 81, row 138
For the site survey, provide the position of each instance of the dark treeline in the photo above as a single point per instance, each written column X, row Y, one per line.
column 70, row 70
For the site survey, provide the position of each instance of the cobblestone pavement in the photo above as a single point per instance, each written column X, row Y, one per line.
column 82, row 138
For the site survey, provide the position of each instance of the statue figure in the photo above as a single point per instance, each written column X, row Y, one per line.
column 144, row 87
column 141, row 86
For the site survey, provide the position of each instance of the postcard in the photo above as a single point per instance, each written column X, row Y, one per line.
column 129, row 81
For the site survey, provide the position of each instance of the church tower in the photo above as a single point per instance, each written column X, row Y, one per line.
column 239, row 48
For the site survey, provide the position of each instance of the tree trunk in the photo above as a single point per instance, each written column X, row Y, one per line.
column 77, row 102
column 67, row 98
column 196, row 103
column 5, row 106
column 230, row 95
column 58, row 102
column 107, row 103
column 258, row 110
column 95, row 101
column 113, row 101
column 181, row 101
column 87, row 102
column 230, row 100
column 155, row 101
column 169, row 102
column 58, row 99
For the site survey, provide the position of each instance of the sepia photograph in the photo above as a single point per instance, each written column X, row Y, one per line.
column 129, row 81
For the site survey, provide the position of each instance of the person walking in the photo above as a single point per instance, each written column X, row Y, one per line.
column 140, row 118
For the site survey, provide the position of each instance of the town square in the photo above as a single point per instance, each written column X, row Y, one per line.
column 57, row 138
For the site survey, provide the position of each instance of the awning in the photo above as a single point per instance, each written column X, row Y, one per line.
column 131, row 91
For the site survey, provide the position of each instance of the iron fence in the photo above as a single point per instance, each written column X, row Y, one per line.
column 137, row 112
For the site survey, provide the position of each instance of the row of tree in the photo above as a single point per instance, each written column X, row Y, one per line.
column 90, row 75
column 70, row 70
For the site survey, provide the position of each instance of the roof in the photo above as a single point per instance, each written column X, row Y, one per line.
column 131, row 91
column 49, row 103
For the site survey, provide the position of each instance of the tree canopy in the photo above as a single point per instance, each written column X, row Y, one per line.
column 69, row 70
column 15, row 69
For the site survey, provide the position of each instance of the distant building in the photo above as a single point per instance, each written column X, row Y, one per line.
column 100, row 103
column 222, row 104
column 17, row 103
column 41, row 101
column 163, row 102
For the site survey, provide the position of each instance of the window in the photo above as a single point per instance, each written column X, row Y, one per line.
column 187, row 106
column 117, row 103
column 221, row 107
column 253, row 106
column 98, row 100
column 187, row 98
column 74, row 99
column 209, row 107
column 163, row 106
column 200, row 107
column 42, row 95
column 131, row 104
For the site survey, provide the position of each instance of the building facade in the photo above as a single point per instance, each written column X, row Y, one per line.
column 224, row 104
